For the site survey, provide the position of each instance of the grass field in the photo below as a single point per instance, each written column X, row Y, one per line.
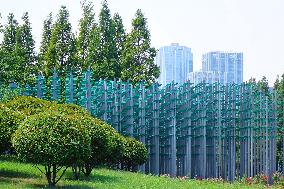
column 19, row 175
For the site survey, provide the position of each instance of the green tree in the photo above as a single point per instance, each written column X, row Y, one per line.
column 86, row 25
column 138, row 55
column 45, row 40
column 9, row 33
column 119, row 38
column 62, row 49
column 9, row 61
column 105, row 65
column 263, row 85
column 25, row 49
column 54, row 140
column 61, row 53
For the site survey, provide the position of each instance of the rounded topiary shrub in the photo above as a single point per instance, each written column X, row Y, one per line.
column 135, row 153
column 28, row 105
column 9, row 123
column 69, row 109
column 53, row 139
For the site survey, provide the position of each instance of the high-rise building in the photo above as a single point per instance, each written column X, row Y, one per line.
column 204, row 76
column 229, row 65
column 175, row 63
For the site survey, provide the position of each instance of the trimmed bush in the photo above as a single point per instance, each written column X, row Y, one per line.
column 53, row 140
column 106, row 142
column 28, row 105
column 9, row 123
column 135, row 153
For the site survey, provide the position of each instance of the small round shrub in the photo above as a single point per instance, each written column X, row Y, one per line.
column 9, row 123
column 106, row 142
column 135, row 153
column 51, row 136
column 52, row 139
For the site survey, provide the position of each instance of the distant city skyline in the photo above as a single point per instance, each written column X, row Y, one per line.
column 252, row 27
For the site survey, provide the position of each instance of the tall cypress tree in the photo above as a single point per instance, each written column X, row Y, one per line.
column 61, row 53
column 25, row 49
column 119, row 39
column 9, row 61
column 9, row 33
column 138, row 55
column 45, row 40
column 105, row 65
column 86, row 25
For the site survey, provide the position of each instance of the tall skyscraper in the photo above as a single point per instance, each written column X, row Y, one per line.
column 175, row 63
column 229, row 65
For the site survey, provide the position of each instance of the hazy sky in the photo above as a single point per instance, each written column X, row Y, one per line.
column 254, row 27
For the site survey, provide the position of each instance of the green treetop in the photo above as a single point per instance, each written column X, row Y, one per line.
column 138, row 55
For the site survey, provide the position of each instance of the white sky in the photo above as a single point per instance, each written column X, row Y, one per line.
column 254, row 27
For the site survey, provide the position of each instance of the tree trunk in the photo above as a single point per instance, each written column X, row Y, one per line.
column 88, row 169
column 76, row 169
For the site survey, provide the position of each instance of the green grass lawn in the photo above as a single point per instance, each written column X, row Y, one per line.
column 19, row 175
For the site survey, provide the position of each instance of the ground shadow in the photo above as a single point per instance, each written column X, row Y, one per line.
column 95, row 177
column 16, row 174
column 66, row 186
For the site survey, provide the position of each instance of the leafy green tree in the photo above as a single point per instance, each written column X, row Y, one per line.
column 105, row 65
column 119, row 38
column 61, row 53
column 9, row 61
column 9, row 33
column 263, row 85
column 54, row 140
column 25, row 49
column 86, row 25
column 138, row 55
column 45, row 41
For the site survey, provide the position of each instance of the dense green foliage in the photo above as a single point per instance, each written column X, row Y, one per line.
column 53, row 140
column 138, row 55
column 9, row 122
column 7, row 93
column 28, row 105
column 135, row 153
column 107, row 144
column 102, row 46
column 63, row 135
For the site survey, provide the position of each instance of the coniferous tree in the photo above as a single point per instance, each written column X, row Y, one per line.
column 9, row 33
column 105, row 65
column 119, row 38
column 138, row 55
column 86, row 25
column 9, row 61
column 45, row 40
column 61, row 53
column 25, row 50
